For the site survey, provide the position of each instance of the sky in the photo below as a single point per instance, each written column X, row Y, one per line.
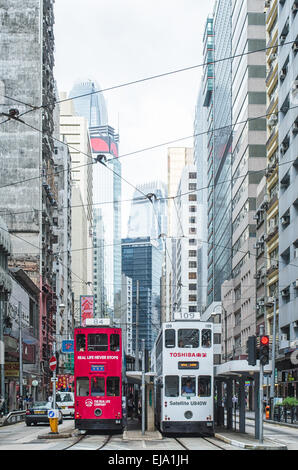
column 118, row 41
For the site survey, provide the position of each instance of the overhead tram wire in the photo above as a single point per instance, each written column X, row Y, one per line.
column 141, row 150
column 83, row 249
column 153, row 77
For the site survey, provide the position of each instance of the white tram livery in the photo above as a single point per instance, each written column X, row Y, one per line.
column 183, row 364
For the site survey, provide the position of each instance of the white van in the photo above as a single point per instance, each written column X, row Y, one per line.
column 65, row 401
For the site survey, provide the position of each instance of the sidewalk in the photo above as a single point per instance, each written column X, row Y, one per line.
column 251, row 415
column 247, row 441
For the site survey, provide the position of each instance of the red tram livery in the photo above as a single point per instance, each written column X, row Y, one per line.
column 98, row 378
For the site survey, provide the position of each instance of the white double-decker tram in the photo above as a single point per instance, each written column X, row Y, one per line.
column 183, row 363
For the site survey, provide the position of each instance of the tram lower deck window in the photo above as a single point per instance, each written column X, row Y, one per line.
column 98, row 342
column 204, row 386
column 172, row 386
column 113, row 387
column 188, row 386
column 82, row 387
column 97, row 386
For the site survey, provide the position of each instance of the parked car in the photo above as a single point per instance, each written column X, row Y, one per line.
column 38, row 413
column 65, row 401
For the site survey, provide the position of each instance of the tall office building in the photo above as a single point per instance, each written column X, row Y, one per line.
column 288, row 191
column 106, row 188
column 148, row 218
column 74, row 131
column 186, row 283
column 203, row 159
column 142, row 261
column 26, row 71
column 178, row 157
column 248, row 158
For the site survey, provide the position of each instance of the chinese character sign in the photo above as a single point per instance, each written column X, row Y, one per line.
column 86, row 308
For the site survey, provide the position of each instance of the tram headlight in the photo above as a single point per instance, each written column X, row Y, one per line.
column 98, row 412
column 188, row 414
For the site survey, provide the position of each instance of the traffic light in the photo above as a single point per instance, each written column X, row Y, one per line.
column 264, row 349
column 252, row 350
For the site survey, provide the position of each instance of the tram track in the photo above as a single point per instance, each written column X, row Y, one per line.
column 84, row 436
column 203, row 438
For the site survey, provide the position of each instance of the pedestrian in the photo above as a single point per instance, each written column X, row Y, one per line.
column 235, row 401
column 130, row 406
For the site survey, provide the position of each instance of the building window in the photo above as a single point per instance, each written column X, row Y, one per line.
column 192, row 275
column 192, row 175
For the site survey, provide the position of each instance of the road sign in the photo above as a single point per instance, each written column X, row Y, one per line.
column 54, row 379
column 53, row 363
column 68, row 346
column 53, row 414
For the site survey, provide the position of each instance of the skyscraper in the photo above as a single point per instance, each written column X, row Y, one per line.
column 248, row 156
column 142, row 261
column 26, row 71
column 106, row 186
column 148, row 218
column 178, row 157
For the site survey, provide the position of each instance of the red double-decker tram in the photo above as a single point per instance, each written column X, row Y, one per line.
column 98, row 378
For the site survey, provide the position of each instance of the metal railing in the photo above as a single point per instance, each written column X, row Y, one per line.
column 284, row 414
column 13, row 417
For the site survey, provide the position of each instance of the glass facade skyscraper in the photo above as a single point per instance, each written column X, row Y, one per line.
column 222, row 140
column 91, row 104
column 142, row 261
column 146, row 218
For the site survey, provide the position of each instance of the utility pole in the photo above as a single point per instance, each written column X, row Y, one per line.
column 137, row 327
column 20, row 351
column 143, row 387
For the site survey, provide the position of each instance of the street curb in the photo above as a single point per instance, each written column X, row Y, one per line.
column 55, row 435
column 278, row 423
column 242, row 445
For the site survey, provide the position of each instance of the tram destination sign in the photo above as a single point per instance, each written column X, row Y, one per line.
column 188, row 365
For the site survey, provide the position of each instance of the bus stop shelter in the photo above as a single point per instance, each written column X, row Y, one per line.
column 240, row 371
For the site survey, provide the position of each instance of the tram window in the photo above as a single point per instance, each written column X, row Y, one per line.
column 81, row 343
column 172, row 386
column 114, row 342
column 188, row 338
column 98, row 342
column 170, row 338
column 97, row 386
column 206, row 338
column 113, row 387
column 204, row 386
column 188, row 386
column 82, row 388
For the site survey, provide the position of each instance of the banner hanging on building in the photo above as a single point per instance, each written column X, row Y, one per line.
column 86, row 303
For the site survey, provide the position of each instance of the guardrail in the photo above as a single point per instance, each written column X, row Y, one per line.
column 13, row 417
column 283, row 414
